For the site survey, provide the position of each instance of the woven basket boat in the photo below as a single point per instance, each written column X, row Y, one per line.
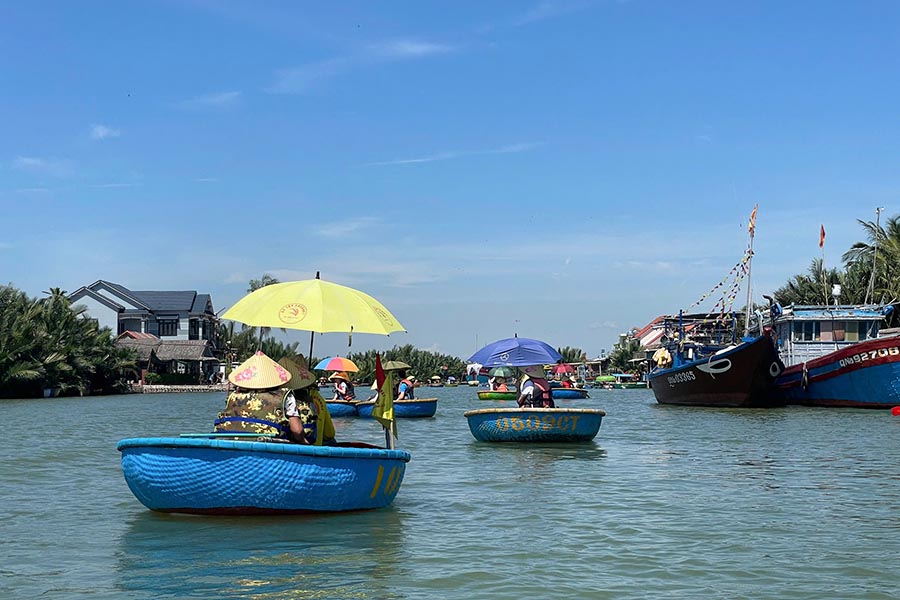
column 561, row 393
column 535, row 424
column 492, row 395
column 403, row 409
column 341, row 408
column 211, row 475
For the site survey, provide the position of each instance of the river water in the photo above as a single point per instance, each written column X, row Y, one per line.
column 667, row 502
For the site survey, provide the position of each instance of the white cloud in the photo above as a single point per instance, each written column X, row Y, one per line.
column 53, row 167
column 298, row 80
column 509, row 149
column 301, row 79
column 343, row 228
column 102, row 132
column 548, row 9
column 113, row 185
column 220, row 101
column 401, row 49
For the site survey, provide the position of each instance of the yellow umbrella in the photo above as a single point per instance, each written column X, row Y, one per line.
column 314, row 305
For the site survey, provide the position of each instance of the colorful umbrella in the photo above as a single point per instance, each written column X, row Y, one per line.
column 337, row 363
column 395, row 365
column 502, row 372
column 516, row 352
column 562, row 368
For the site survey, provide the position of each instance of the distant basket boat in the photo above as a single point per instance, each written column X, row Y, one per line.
column 534, row 424
column 403, row 409
column 341, row 408
column 492, row 395
column 561, row 393
column 209, row 475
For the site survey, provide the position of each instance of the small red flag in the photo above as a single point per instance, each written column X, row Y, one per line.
column 822, row 237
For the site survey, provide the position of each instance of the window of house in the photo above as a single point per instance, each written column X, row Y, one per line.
column 806, row 331
column 193, row 329
column 168, row 327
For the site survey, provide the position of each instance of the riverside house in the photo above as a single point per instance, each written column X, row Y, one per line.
column 179, row 327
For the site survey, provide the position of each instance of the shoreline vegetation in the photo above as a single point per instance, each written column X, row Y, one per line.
column 49, row 344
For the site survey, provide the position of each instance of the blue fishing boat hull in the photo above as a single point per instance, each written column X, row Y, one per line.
column 864, row 375
column 560, row 393
column 534, row 424
column 403, row 409
column 219, row 476
column 341, row 409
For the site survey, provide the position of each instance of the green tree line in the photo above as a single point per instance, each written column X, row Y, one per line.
column 48, row 343
column 860, row 284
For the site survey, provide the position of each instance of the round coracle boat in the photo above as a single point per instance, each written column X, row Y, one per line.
column 403, row 409
column 341, row 408
column 561, row 393
column 211, row 475
column 535, row 424
column 493, row 395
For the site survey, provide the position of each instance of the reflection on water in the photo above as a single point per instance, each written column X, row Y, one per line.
column 261, row 557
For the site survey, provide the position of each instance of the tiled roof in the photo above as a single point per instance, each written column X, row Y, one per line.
column 163, row 301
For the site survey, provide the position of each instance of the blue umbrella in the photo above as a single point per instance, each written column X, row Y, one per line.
column 516, row 352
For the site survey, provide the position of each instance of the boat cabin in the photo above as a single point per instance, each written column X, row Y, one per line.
column 803, row 333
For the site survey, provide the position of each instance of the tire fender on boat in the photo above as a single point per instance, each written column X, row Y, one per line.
column 804, row 379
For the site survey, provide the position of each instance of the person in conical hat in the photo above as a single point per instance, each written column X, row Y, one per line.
column 256, row 404
column 535, row 391
column 308, row 416
column 343, row 389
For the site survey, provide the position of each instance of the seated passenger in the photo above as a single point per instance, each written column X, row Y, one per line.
column 308, row 416
column 498, row 384
column 343, row 389
column 535, row 391
column 256, row 404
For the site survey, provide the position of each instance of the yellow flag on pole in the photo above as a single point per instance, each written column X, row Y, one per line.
column 383, row 411
column 751, row 226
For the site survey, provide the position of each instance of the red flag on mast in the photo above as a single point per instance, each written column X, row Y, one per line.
column 822, row 237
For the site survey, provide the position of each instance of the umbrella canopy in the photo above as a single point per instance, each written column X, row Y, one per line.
column 337, row 363
column 516, row 352
column 314, row 305
column 562, row 368
column 395, row 365
column 502, row 372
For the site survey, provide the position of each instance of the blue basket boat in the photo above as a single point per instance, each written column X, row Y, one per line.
column 209, row 475
column 561, row 393
column 403, row 409
column 341, row 408
column 535, row 424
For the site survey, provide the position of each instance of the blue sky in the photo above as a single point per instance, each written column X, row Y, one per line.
column 564, row 170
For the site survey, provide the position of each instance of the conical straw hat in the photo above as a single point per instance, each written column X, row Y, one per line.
column 338, row 375
column 300, row 376
column 535, row 371
column 259, row 372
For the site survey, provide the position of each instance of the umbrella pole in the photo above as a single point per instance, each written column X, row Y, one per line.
column 311, row 339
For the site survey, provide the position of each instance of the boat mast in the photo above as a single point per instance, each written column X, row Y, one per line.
column 751, row 228
column 871, row 286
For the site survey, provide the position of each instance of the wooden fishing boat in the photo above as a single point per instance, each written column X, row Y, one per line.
column 237, row 475
column 403, row 409
column 492, row 395
column 742, row 375
column 342, row 408
column 534, row 424
column 561, row 393
column 835, row 357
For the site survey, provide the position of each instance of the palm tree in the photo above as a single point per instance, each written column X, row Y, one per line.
column 252, row 286
column 862, row 255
